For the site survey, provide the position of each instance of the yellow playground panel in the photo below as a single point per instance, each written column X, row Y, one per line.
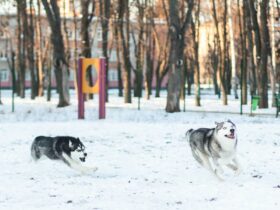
column 95, row 62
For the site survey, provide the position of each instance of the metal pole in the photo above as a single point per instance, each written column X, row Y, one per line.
column 102, row 88
column 81, row 103
column 13, row 101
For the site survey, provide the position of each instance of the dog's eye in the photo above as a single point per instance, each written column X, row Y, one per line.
column 224, row 128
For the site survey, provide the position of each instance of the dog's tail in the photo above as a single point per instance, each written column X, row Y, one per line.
column 188, row 134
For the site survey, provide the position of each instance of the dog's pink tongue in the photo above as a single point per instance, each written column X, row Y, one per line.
column 231, row 136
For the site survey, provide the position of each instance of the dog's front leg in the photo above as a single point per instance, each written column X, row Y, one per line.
column 75, row 165
column 214, row 167
column 237, row 165
column 217, row 165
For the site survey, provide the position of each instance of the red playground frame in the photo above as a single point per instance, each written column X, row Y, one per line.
column 84, row 87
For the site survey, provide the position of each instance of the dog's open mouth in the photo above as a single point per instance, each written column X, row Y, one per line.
column 230, row 136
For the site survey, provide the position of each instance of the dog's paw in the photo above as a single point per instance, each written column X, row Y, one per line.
column 219, row 170
column 87, row 170
column 238, row 172
column 218, row 175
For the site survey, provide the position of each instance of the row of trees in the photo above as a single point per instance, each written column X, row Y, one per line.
column 243, row 45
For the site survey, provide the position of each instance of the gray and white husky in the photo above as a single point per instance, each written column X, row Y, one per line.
column 61, row 148
column 215, row 147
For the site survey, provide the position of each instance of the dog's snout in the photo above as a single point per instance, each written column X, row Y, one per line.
column 85, row 154
column 232, row 130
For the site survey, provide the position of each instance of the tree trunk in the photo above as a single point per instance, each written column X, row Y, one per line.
column 49, row 76
column 232, row 49
column 149, row 61
column 124, row 38
column 59, row 58
column 264, row 54
column 273, row 56
column 75, row 59
column 184, row 77
column 243, row 39
column 214, row 60
column 85, row 24
column 174, row 81
column 195, row 27
column 140, row 47
column 119, row 68
column 252, row 73
column 21, row 23
column 40, row 75
column 220, row 54
column 105, row 6
column 177, row 33
column 262, row 46
column 30, row 52
column 224, row 57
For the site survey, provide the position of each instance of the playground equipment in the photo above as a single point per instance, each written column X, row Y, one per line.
column 254, row 103
column 84, row 86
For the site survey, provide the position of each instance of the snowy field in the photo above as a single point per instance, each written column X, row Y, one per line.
column 143, row 159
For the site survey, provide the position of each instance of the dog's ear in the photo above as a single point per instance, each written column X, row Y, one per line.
column 230, row 122
column 219, row 125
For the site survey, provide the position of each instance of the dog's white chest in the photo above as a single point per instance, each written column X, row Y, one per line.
column 228, row 144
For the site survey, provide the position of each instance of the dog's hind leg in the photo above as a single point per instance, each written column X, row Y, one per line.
column 75, row 165
column 35, row 152
column 203, row 160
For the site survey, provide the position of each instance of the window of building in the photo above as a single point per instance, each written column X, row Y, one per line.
column 4, row 75
column 113, row 75
column 113, row 57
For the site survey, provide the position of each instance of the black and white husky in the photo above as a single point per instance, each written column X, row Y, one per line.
column 215, row 147
column 61, row 148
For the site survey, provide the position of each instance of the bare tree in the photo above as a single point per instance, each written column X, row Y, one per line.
column 222, row 47
column 117, row 47
column 232, row 49
column 38, row 46
column 162, row 49
column 105, row 6
column 243, row 40
column 177, row 33
column 262, row 48
column 21, row 41
column 139, row 49
column 30, row 51
column 272, row 72
column 59, row 57
column 195, row 30
column 87, row 16
column 249, row 37
column 124, row 37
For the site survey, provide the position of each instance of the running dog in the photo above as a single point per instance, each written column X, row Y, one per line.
column 215, row 147
column 61, row 148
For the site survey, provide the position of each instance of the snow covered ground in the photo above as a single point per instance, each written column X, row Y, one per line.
column 143, row 158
